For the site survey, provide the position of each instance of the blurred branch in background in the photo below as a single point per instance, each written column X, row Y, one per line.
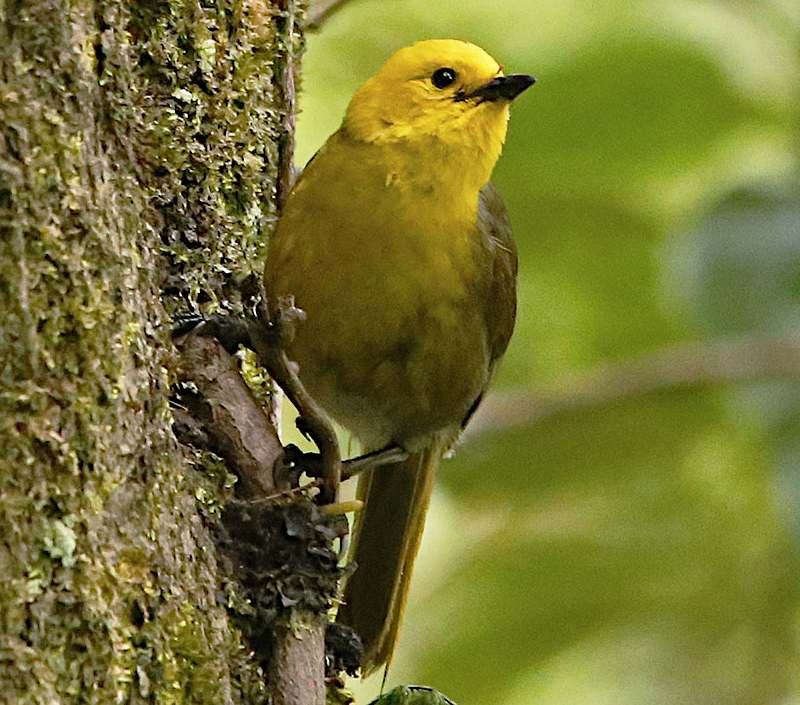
column 750, row 359
column 320, row 11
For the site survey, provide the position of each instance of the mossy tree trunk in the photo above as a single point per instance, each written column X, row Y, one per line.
column 139, row 153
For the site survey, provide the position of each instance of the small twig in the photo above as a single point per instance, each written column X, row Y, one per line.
column 686, row 365
column 283, row 494
column 321, row 11
column 288, row 97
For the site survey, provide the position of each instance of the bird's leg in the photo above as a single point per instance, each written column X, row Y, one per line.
column 389, row 455
column 311, row 463
column 270, row 333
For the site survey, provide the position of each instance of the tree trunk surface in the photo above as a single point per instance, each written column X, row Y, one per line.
column 140, row 148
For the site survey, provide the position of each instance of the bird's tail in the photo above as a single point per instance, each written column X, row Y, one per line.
column 386, row 539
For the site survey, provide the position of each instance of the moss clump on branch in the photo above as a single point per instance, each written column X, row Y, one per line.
column 281, row 555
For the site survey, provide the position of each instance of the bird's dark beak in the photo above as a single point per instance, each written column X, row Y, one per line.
column 504, row 87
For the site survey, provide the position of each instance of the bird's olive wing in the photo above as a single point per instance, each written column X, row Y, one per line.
column 501, row 302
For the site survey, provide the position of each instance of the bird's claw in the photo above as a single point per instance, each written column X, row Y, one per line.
column 302, row 424
column 293, row 462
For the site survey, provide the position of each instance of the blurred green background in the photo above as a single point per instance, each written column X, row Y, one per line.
column 622, row 523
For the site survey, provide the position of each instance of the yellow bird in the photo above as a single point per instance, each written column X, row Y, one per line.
column 399, row 251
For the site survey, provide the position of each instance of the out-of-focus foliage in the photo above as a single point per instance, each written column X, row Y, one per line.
column 643, row 547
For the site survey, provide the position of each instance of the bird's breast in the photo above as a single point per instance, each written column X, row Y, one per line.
column 394, row 342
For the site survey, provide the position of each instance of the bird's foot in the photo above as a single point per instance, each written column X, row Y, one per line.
column 311, row 464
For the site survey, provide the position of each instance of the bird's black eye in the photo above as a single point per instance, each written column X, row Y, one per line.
column 443, row 77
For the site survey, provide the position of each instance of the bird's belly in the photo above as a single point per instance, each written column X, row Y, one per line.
column 400, row 388
column 395, row 352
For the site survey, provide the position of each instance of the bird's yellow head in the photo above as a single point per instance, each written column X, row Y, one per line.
column 444, row 95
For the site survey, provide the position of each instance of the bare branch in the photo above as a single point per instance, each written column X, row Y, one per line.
column 236, row 425
column 226, row 416
column 685, row 365
column 298, row 670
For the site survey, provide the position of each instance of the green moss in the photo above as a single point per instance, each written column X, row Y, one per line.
column 190, row 671
column 257, row 378
column 60, row 542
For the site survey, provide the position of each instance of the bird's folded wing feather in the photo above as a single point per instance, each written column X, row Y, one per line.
column 501, row 303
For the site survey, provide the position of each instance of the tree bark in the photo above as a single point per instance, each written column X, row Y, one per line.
column 139, row 155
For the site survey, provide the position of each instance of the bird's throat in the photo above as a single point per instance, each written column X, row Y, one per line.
column 449, row 185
